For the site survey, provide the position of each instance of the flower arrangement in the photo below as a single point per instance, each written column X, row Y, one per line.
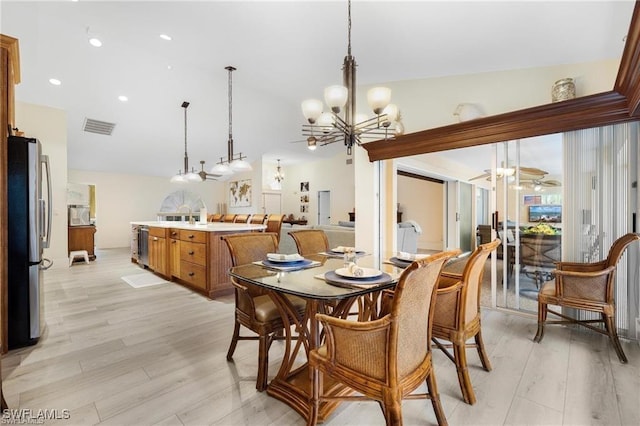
column 542, row 229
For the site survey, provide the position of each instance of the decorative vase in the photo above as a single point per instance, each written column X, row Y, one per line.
column 563, row 89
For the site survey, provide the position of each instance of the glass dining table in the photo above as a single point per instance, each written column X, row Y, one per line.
column 323, row 293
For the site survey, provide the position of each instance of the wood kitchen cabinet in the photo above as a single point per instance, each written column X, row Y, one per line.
column 82, row 238
column 174, row 252
column 193, row 258
column 158, row 252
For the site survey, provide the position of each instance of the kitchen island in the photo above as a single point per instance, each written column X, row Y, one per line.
column 191, row 255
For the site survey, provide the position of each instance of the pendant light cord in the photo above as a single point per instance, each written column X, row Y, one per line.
column 230, row 142
column 349, row 31
column 185, row 105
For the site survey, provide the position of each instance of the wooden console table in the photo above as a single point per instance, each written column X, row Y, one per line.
column 81, row 238
column 295, row 222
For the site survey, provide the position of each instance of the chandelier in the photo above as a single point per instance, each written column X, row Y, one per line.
column 279, row 176
column 234, row 162
column 329, row 127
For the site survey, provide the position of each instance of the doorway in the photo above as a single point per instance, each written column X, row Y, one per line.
column 271, row 203
column 324, row 207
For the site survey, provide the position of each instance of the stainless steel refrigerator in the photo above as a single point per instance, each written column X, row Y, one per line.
column 29, row 232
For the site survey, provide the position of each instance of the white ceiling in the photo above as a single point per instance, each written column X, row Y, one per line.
column 284, row 52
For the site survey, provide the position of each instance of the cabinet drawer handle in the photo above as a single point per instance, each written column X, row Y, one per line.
column 191, row 253
column 174, row 233
column 173, row 241
column 191, row 274
column 191, row 236
column 155, row 238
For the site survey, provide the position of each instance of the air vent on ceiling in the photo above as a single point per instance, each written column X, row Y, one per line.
column 97, row 126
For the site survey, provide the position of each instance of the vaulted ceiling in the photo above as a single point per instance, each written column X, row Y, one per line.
column 284, row 51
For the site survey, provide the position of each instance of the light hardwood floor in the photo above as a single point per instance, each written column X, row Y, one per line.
column 113, row 354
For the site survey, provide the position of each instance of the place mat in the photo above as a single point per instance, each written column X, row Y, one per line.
column 341, row 252
column 399, row 262
column 288, row 266
column 334, row 279
column 338, row 254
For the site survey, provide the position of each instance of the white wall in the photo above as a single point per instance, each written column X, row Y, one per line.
column 421, row 201
column 121, row 199
column 332, row 174
column 49, row 125
column 430, row 103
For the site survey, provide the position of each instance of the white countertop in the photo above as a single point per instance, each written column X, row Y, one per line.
column 209, row 227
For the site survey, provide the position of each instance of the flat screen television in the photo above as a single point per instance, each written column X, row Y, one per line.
column 545, row 213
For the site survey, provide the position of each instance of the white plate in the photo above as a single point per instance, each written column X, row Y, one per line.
column 366, row 273
column 338, row 250
column 411, row 257
column 276, row 260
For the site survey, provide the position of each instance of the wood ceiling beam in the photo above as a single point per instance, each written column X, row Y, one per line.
column 628, row 79
column 620, row 105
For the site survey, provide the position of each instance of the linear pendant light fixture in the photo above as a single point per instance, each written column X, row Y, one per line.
column 234, row 162
column 190, row 176
column 329, row 127
column 185, row 176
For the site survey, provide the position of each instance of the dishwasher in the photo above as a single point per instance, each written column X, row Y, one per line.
column 143, row 246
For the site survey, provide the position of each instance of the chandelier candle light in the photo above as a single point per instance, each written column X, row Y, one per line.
column 328, row 127
column 233, row 163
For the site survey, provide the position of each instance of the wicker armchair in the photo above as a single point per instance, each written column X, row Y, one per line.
column 388, row 358
column 587, row 287
column 538, row 256
column 310, row 241
column 457, row 315
column 254, row 308
column 274, row 224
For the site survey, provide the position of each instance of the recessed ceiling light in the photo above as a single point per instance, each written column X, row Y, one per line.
column 95, row 42
column 169, row 67
column 123, row 98
column 165, row 37
column 55, row 81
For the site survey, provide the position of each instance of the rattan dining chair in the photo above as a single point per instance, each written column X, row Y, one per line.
column 258, row 218
column 255, row 309
column 310, row 241
column 587, row 287
column 274, row 224
column 457, row 315
column 241, row 218
column 216, row 217
column 388, row 358
column 229, row 217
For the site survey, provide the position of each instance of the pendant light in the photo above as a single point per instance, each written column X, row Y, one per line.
column 233, row 163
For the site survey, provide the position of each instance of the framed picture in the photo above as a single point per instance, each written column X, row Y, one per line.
column 304, row 186
column 528, row 200
column 304, row 198
column 240, row 193
column 304, row 208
